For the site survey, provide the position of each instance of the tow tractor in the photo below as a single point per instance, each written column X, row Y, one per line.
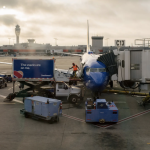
column 100, row 111
column 34, row 74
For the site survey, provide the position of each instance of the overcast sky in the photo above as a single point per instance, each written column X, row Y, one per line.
column 66, row 20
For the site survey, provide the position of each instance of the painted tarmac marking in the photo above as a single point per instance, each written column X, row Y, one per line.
column 119, row 102
column 3, row 96
column 109, row 125
column 127, row 118
column 103, row 126
column 15, row 100
column 74, row 118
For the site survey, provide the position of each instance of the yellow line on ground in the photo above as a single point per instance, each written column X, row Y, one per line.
column 148, row 143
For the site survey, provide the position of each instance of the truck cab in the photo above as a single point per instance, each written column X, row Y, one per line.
column 72, row 93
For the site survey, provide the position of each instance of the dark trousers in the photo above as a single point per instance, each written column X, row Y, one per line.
column 74, row 72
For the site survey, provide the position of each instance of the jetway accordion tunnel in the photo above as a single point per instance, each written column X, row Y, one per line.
column 112, row 63
column 110, row 60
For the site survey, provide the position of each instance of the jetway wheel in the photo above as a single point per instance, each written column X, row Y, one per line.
column 127, row 84
column 26, row 115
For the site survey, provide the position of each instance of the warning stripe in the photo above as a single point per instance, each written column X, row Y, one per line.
column 126, row 119
column 102, row 126
column 74, row 118
column 109, row 125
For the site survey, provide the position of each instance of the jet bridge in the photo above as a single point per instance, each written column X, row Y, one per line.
column 130, row 67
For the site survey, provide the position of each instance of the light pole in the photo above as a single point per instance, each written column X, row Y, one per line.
column 56, row 41
column 13, row 40
column 9, row 40
column 107, row 41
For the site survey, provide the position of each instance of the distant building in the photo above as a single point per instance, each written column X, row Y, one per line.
column 32, row 47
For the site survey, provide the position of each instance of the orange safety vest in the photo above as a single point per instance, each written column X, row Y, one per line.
column 75, row 68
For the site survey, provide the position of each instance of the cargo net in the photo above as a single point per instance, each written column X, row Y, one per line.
column 109, row 59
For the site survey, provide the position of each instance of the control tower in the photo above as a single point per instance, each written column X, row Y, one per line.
column 17, row 31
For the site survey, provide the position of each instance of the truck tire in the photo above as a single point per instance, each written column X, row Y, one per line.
column 73, row 99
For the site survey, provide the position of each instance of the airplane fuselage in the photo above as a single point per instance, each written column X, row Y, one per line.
column 95, row 75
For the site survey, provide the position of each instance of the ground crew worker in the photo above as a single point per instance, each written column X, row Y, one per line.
column 75, row 69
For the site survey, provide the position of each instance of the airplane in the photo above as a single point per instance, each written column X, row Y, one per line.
column 93, row 72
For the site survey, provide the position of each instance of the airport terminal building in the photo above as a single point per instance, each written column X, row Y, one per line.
column 43, row 49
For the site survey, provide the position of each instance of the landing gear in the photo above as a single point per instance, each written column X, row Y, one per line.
column 111, row 84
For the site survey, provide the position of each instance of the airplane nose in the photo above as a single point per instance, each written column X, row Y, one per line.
column 100, row 81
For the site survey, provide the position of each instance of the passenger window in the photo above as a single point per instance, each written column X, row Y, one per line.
column 61, row 85
column 101, row 70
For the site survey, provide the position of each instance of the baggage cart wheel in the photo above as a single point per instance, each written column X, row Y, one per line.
column 51, row 121
column 26, row 115
column 101, row 120
column 57, row 119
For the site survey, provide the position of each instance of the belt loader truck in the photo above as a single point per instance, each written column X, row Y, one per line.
column 38, row 74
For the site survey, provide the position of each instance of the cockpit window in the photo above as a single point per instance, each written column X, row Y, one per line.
column 93, row 70
column 87, row 69
column 97, row 70
column 101, row 69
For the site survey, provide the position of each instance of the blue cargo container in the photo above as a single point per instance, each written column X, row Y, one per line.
column 100, row 111
column 42, row 107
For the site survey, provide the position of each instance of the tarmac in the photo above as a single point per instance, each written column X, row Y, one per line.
column 72, row 133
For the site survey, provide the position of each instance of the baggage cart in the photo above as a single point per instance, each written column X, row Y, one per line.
column 42, row 108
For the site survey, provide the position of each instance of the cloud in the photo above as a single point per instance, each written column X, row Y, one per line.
column 8, row 20
column 66, row 19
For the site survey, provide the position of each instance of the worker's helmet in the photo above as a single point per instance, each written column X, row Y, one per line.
column 73, row 64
